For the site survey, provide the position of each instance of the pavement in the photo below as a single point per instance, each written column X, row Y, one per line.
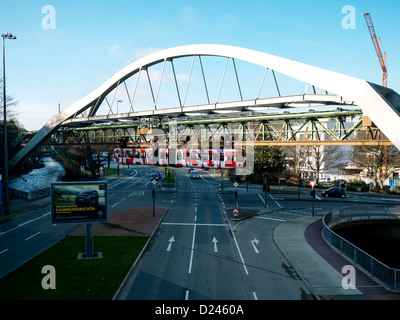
column 300, row 241
column 319, row 265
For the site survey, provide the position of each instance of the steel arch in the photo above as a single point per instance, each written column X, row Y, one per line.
column 376, row 102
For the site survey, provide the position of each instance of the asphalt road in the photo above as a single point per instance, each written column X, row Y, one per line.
column 197, row 252
column 24, row 236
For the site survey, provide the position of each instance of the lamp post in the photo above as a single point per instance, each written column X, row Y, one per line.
column 6, row 199
column 117, row 104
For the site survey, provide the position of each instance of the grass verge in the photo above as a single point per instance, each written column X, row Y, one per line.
column 76, row 279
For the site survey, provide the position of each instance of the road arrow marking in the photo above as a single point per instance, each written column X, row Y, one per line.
column 254, row 242
column 170, row 243
column 215, row 241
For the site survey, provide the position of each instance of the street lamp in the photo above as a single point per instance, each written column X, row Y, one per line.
column 117, row 104
column 6, row 200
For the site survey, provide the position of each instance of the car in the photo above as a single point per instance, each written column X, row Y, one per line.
column 155, row 176
column 194, row 174
column 334, row 192
column 87, row 197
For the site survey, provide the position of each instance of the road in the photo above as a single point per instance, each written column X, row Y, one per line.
column 197, row 252
column 24, row 236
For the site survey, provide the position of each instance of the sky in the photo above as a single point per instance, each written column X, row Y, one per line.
column 62, row 55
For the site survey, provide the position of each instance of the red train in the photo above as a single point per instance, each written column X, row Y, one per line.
column 194, row 158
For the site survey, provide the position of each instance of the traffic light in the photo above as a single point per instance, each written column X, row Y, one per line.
column 312, row 193
column 153, row 193
column 236, row 195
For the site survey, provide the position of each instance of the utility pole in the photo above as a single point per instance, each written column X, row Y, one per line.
column 153, row 194
column 6, row 200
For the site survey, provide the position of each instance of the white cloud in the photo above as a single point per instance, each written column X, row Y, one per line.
column 140, row 52
column 115, row 50
column 188, row 15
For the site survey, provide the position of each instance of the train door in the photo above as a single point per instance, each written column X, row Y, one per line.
column 230, row 158
column 118, row 155
column 129, row 156
column 181, row 158
column 209, row 159
column 149, row 156
column 194, row 159
column 163, row 159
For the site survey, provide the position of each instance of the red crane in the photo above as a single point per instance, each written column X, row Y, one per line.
column 382, row 59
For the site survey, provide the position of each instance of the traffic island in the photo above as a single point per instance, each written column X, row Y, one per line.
column 242, row 213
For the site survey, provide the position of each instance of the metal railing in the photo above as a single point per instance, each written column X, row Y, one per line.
column 385, row 274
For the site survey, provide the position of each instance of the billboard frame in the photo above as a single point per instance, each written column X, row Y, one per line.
column 89, row 214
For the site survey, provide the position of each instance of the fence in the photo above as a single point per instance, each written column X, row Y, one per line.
column 387, row 275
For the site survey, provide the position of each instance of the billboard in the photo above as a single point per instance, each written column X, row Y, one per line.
column 79, row 202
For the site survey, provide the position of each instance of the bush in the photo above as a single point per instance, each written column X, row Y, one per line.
column 357, row 185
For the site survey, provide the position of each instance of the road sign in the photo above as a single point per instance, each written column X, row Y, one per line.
column 235, row 212
column 235, row 184
column 313, row 183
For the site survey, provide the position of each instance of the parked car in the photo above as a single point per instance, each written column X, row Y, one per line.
column 87, row 197
column 334, row 192
column 155, row 176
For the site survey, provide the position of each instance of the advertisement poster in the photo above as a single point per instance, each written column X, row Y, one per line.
column 79, row 202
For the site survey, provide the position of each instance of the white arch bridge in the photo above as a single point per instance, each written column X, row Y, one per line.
column 198, row 94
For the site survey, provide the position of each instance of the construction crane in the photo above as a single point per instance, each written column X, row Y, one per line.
column 382, row 59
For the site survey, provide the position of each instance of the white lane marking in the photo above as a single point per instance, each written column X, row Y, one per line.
column 191, row 254
column 254, row 242
column 238, row 249
column 24, row 223
column 267, row 218
column 170, row 243
column 32, row 236
column 215, row 241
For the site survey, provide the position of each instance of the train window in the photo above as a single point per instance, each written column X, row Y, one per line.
column 204, row 156
column 163, row 155
column 194, row 156
column 215, row 156
column 230, row 156
column 221, row 156
column 179, row 156
column 148, row 154
column 137, row 154
column 129, row 153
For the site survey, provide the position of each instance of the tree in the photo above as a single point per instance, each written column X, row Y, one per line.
column 380, row 162
column 321, row 158
column 268, row 162
column 14, row 128
column 296, row 158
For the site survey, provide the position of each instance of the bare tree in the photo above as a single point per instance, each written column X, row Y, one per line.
column 320, row 158
column 380, row 162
